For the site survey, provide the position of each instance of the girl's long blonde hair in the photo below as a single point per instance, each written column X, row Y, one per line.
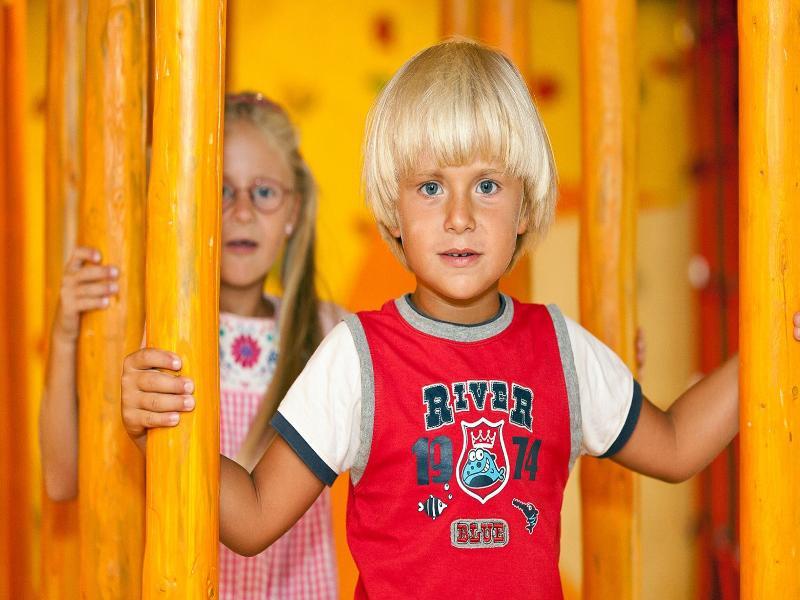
column 299, row 327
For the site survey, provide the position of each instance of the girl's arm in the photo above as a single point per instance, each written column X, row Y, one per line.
column 255, row 509
column 86, row 285
column 675, row 444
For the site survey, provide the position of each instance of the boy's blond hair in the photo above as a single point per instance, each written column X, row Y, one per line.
column 455, row 102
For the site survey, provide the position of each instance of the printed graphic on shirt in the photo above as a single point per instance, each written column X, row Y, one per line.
column 483, row 462
column 432, row 507
column 530, row 512
column 442, row 406
column 479, row 533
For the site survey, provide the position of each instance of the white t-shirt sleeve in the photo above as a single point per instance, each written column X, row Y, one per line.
column 610, row 398
column 320, row 415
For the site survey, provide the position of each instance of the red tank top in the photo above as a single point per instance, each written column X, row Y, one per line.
column 465, row 452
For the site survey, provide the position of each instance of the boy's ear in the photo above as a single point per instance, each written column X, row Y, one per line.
column 394, row 231
column 522, row 226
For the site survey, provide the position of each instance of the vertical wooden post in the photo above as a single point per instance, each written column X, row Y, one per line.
column 458, row 17
column 183, row 295
column 15, row 410
column 769, row 155
column 60, row 564
column 609, row 99
column 111, row 470
column 505, row 24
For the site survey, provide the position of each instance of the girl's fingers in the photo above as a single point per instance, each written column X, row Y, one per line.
column 164, row 403
column 92, row 273
column 797, row 319
column 136, row 420
column 163, row 383
column 80, row 255
column 86, row 304
column 96, row 290
column 153, row 358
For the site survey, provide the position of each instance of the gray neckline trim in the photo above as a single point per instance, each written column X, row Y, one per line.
column 454, row 331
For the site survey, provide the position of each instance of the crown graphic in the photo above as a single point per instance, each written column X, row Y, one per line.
column 479, row 440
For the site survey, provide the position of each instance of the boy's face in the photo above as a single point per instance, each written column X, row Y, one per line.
column 459, row 227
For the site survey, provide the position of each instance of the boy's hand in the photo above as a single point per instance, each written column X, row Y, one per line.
column 641, row 351
column 152, row 398
column 86, row 285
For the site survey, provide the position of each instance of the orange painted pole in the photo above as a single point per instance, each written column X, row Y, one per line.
column 183, row 295
column 60, row 564
column 607, row 240
column 110, row 467
column 505, row 24
column 769, row 215
column 16, row 578
column 458, row 18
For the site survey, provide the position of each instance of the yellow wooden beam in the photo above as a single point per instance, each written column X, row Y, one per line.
column 458, row 18
column 607, row 241
column 769, row 159
column 66, row 22
column 182, row 295
column 111, row 470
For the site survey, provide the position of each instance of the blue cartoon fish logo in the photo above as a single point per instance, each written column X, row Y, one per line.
column 481, row 470
column 432, row 507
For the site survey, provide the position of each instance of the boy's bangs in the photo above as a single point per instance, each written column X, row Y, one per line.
column 455, row 130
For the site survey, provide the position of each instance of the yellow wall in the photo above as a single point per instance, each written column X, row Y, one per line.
column 326, row 60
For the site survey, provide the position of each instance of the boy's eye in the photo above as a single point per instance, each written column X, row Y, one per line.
column 487, row 186
column 431, row 188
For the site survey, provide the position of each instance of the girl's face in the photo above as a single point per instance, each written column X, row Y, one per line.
column 459, row 227
column 259, row 206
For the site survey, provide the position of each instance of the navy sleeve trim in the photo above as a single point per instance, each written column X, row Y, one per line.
column 630, row 422
column 306, row 453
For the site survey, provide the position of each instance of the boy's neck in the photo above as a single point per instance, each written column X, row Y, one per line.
column 471, row 311
column 245, row 301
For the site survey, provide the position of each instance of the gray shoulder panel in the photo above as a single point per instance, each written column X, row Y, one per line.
column 367, row 397
column 571, row 379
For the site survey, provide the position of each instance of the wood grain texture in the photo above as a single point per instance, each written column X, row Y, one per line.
column 609, row 102
column 112, row 207
column 769, row 215
column 183, row 295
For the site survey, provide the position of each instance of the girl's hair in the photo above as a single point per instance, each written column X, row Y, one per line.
column 455, row 102
column 299, row 321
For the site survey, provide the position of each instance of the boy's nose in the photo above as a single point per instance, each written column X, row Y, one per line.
column 460, row 216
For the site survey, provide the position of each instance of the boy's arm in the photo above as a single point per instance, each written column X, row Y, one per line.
column 86, row 285
column 256, row 509
column 675, row 444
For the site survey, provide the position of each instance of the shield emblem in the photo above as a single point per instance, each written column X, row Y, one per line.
column 482, row 469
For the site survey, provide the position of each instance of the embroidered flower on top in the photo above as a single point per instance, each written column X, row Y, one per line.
column 245, row 350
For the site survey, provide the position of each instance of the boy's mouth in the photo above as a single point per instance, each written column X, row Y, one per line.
column 459, row 257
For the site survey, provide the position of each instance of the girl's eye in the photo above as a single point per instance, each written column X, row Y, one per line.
column 263, row 191
column 431, row 188
column 227, row 191
column 487, row 186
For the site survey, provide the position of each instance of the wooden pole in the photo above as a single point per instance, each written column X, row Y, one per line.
column 769, row 155
column 458, row 18
column 183, row 295
column 111, row 470
column 607, row 240
column 66, row 20
column 16, row 578
column 505, row 25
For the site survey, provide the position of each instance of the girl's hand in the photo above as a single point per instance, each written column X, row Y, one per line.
column 86, row 285
column 797, row 326
column 152, row 398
